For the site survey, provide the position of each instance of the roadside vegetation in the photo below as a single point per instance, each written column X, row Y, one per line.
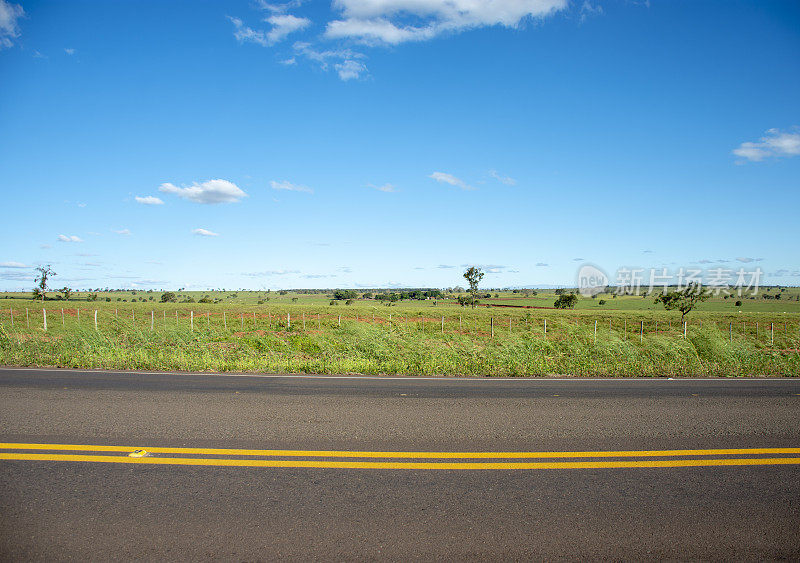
column 217, row 333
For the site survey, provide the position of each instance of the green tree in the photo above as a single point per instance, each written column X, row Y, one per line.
column 566, row 301
column 169, row 297
column 40, row 291
column 473, row 275
column 67, row 292
column 684, row 300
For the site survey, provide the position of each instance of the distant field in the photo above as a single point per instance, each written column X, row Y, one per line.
column 299, row 332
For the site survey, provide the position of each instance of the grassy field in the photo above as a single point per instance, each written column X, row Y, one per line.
column 304, row 333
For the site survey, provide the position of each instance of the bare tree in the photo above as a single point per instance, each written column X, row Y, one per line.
column 473, row 275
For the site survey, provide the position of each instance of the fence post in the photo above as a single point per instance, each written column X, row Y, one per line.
column 78, row 314
column 442, row 325
column 641, row 332
column 152, row 319
column 95, row 319
column 730, row 332
column 684, row 330
column 304, row 321
column 771, row 334
column 509, row 325
column 133, row 313
column 340, row 320
column 225, row 320
column 12, row 316
column 390, row 322
column 625, row 330
column 165, row 318
column 545, row 329
column 459, row 322
column 288, row 320
column 492, row 323
column 27, row 318
column 44, row 316
column 176, row 318
column 191, row 321
column 62, row 316
column 595, row 331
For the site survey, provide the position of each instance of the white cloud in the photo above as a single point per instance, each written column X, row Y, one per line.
column 124, row 232
column 149, row 200
column 14, row 265
column 385, row 21
column 288, row 186
column 269, row 273
column 70, row 51
column 773, row 144
column 347, row 63
column 542, row 264
column 446, row 178
column 212, row 191
column 747, row 259
column 283, row 25
column 386, row 188
column 204, row 233
column 69, row 238
column 507, row 180
column 244, row 34
column 350, row 69
column 9, row 30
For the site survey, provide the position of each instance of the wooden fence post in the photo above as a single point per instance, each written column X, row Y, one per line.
column 191, row 321
column 44, row 317
column 492, row 323
column 95, row 319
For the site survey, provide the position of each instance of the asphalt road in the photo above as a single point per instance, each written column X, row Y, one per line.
column 56, row 510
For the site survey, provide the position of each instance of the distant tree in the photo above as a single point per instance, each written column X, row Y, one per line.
column 367, row 295
column 40, row 291
column 738, row 303
column 344, row 294
column 294, row 299
column 684, row 300
column 67, row 292
column 566, row 301
column 205, row 299
column 169, row 297
column 473, row 275
column 348, row 302
column 601, row 302
column 282, row 292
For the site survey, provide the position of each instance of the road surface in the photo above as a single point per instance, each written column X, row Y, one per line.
column 259, row 467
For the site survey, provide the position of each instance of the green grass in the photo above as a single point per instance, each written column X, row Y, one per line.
column 628, row 343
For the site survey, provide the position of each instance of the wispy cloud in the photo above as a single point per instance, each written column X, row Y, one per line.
column 210, row 192
column 149, row 200
column 542, row 264
column 507, row 180
column 69, row 51
column 747, row 259
column 774, row 144
column 386, row 188
column 14, row 265
column 488, row 268
column 9, row 28
column 124, row 232
column 288, row 186
column 270, row 273
column 204, row 233
column 445, row 178
column 69, row 238
column 245, row 34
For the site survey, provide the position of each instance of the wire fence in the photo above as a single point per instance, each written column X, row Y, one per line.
column 240, row 323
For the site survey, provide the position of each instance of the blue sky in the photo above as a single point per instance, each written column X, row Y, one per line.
column 376, row 143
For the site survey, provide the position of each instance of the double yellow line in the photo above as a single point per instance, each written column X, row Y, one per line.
column 256, row 458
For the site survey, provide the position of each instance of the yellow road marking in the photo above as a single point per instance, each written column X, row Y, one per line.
column 401, row 455
column 402, row 465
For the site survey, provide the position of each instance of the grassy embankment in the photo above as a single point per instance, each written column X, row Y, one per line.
column 628, row 342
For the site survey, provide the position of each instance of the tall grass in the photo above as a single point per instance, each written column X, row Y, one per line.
column 404, row 347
